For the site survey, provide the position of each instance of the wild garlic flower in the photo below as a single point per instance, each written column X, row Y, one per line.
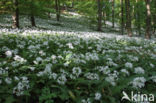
column 129, row 65
column 97, row 96
column 8, row 80
column 139, row 70
column 8, row 53
column 133, row 58
column 153, row 78
column 152, row 65
column 86, row 101
column 138, row 82
column 62, row 79
column 76, row 71
column 125, row 71
column 70, row 45
column 103, row 69
column 21, row 86
column 92, row 76
column 19, row 59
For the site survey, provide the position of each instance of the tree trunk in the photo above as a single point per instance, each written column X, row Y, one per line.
column 128, row 18
column 49, row 15
column 99, row 15
column 57, row 7
column 104, row 17
column 148, row 19
column 15, row 16
column 122, row 18
column 138, row 17
column 32, row 18
column 154, row 18
column 72, row 3
column 113, row 3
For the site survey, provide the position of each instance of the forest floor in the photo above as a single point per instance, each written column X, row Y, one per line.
column 80, row 64
column 70, row 23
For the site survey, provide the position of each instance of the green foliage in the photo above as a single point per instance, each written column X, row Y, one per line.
column 50, row 73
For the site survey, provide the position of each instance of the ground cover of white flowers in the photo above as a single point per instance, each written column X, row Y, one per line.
column 66, row 62
column 74, row 68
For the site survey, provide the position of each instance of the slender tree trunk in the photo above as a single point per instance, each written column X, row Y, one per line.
column 72, row 3
column 148, row 19
column 57, row 7
column 113, row 3
column 122, row 18
column 15, row 16
column 154, row 18
column 128, row 18
column 49, row 15
column 32, row 18
column 138, row 17
column 99, row 15
column 104, row 17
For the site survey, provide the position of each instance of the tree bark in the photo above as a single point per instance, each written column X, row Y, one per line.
column 57, row 7
column 138, row 16
column 148, row 19
column 15, row 15
column 113, row 3
column 128, row 18
column 154, row 18
column 122, row 18
column 72, row 3
column 104, row 17
column 99, row 15
column 33, row 20
column 32, row 17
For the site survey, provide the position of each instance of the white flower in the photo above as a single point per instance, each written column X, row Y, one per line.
column 111, row 63
column 92, row 76
column 45, row 43
column 62, row 79
column 132, row 58
column 38, row 59
column 16, row 78
column 42, row 53
column 152, row 65
column 77, row 71
column 21, row 86
column 66, row 64
column 153, row 78
column 103, row 69
column 19, row 59
column 72, row 76
column 70, row 45
column 53, row 75
column 53, row 57
column 32, row 68
column 129, row 65
column 86, row 101
column 8, row 53
column 40, row 73
column 97, row 96
column 3, row 71
column 138, row 82
column 139, row 70
column 125, row 71
column 48, row 68
column 8, row 80
column 111, row 80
